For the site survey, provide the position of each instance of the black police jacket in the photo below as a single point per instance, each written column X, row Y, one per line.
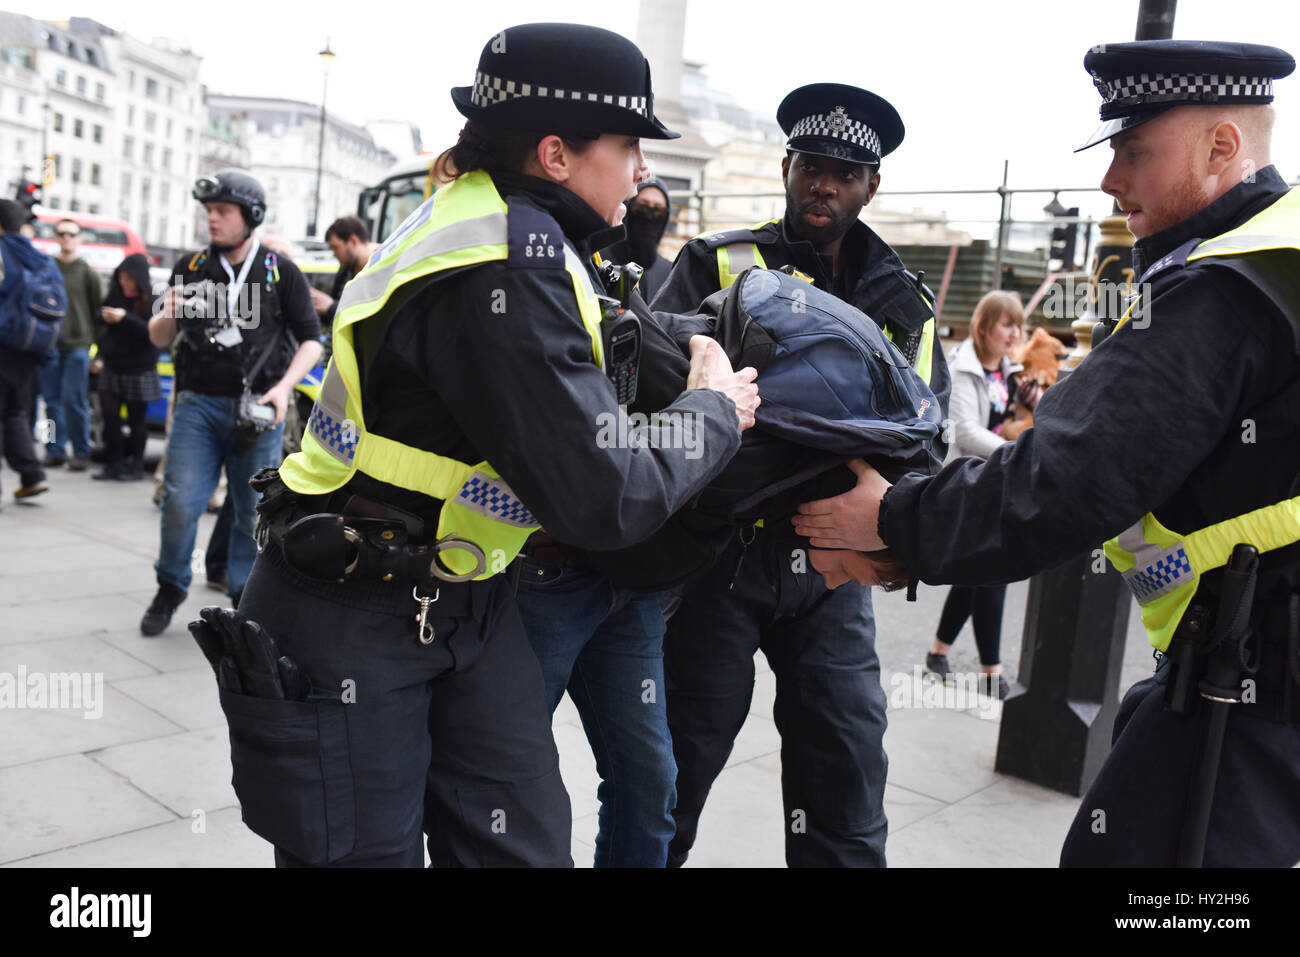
column 1195, row 417
column 872, row 278
column 491, row 362
column 286, row 318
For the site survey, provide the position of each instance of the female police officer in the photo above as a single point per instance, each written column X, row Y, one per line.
column 376, row 678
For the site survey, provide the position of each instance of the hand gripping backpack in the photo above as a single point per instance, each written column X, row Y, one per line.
column 833, row 388
column 32, row 298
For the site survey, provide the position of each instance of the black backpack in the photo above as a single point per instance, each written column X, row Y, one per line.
column 833, row 389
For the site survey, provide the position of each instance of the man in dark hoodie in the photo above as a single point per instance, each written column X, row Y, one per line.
column 646, row 220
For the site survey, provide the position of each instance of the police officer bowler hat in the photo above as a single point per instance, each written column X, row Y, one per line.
column 562, row 78
column 1140, row 80
column 842, row 122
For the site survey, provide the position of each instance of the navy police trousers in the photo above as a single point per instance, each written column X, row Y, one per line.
column 451, row 738
column 830, row 708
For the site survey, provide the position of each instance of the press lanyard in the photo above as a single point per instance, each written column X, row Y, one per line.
column 236, row 284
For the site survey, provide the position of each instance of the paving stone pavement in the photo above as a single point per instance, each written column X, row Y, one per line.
column 147, row 783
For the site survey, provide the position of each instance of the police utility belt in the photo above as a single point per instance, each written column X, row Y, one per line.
column 364, row 541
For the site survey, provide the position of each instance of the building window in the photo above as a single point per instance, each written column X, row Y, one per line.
column 76, row 170
column 92, row 57
column 56, row 203
column 130, row 116
column 130, row 79
column 58, row 165
column 61, row 78
column 170, row 93
column 93, row 209
column 22, row 106
column 151, row 88
column 79, row 129
column 81, row 86
column 189, row 134
column 74, row 206
column 99, row 92
column 165, row 193
column 150, row 122
column 167, row 160
column 146, row 189
column 169, row 127
column 20, row 147
column 99, row 134
column 128, row 147
column 94, row 174
column 148, row 154
column 144, row 223
column 58, row 122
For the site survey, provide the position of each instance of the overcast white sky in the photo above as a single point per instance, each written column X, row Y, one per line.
column 975, row 83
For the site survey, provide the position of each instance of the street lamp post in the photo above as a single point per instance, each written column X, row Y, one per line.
column 326, row 56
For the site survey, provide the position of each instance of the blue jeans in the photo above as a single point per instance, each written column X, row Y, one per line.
column 202, row 439
column 606, row 646
column 65, row 380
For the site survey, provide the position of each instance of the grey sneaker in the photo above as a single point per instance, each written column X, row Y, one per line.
column 986, row 687
column 938, row 665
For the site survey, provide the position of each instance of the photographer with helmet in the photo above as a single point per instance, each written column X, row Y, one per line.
column 249, row 334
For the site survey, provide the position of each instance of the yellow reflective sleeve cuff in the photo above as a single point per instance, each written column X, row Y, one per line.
column 410, row 468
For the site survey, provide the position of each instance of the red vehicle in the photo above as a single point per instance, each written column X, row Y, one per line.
column 105, row 242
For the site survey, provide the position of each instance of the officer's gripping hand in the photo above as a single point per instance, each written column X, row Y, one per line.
column 711, row 369
column 848, row 520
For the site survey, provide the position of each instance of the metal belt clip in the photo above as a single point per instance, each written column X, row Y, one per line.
column 451, row 543
column 426, row 630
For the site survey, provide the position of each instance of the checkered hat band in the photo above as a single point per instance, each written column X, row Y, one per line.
column 490, row 90
column 840, row 127
column 1164, row 87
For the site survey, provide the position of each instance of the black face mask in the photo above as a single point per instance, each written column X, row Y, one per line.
column 643, row 235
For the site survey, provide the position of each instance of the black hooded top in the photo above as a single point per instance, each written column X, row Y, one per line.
column 124, row 346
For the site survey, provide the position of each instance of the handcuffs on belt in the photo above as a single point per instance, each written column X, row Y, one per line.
column 327, row 546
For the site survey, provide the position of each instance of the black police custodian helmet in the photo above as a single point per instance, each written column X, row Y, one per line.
column 842, row 122
column 233, row 186
column 1140, row 80
column 562, row 78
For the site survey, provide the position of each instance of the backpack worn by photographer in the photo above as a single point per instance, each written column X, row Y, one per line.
column 32, row 298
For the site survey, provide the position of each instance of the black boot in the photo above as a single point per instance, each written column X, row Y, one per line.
column 110, row 471
column 161, row 609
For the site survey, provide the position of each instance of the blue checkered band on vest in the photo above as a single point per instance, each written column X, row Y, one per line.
column 337, row 435
column 836, row 125
column 1161, row 576
column 1191, row 87
column 492, row 89
column 493, row 498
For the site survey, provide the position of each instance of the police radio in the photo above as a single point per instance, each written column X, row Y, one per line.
column 620, row 329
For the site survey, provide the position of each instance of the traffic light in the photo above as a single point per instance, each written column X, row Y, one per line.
column 28, row 194
column 1064, row 239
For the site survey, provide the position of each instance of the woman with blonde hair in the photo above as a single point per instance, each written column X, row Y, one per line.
column 980, row 404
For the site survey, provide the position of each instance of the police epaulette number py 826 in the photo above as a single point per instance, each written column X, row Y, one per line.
column 535, row 240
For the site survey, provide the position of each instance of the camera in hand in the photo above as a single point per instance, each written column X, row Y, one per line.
column 201, row 316
column 252, row 416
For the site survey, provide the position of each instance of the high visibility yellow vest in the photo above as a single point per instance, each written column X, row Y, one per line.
column 1163, row 567
column 463, row 224
column 735, row 258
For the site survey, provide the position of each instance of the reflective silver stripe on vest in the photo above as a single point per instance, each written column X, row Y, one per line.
column 494, row 498
column 373, row 281
column 740, row 256
column 1156, row 571
column 1244, row 242
column 329, row 424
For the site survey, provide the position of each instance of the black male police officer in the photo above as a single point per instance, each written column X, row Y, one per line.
column 1179, row 437
column 830, row 709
